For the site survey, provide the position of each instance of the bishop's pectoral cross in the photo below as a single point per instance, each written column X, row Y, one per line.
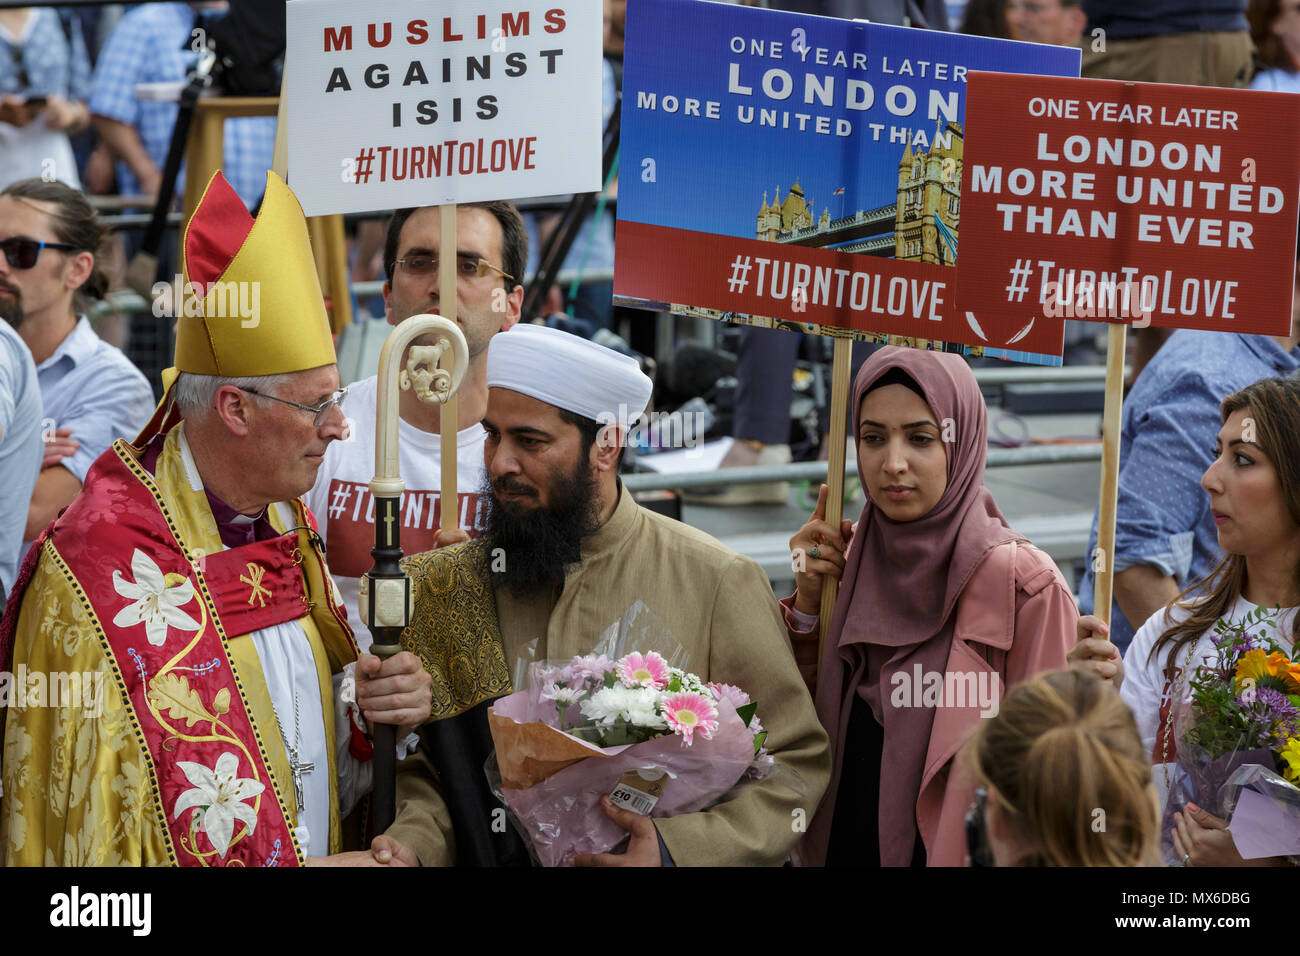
column 297, row 766
column 297, row 769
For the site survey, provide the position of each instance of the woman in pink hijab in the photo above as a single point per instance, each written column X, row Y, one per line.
column 941, row 607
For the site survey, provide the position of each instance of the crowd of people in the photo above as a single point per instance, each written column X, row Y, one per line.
column 202, row 558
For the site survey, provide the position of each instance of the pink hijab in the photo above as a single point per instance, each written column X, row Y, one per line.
column 899, row 591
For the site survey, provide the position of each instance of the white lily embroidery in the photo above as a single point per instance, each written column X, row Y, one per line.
column 220, row 796
column 156, row 605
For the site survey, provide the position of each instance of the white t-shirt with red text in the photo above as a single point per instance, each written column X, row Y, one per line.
column 1149, row 693
column 345, row 510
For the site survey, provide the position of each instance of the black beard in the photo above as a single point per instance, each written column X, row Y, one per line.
column 540, row 543
column 11, row 306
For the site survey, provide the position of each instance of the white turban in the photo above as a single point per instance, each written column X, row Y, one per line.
column 569, row 372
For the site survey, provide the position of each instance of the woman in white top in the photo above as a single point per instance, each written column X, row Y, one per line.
column 1254, row 488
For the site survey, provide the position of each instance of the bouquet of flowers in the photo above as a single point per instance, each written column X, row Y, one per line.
column 1240, row 732
column 654, row 738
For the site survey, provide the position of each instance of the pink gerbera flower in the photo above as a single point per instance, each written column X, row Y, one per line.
column 643, row 670
column 689, row 713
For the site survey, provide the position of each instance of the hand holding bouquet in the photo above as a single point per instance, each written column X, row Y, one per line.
column 656, row 739
column 1241, row 729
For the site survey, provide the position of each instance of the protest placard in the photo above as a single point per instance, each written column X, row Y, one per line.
column 400, row 103
column 1135, row 203
column 1148, row 203
column 806, row 168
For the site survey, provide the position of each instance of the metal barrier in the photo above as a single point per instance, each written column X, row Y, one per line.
column 1019, row 375
column 816, row 470
column 1063, row 537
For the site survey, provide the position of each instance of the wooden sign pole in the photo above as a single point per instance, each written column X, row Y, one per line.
column 1103, row 559
column 840, row 369
column 280, row 151
column 447, row 303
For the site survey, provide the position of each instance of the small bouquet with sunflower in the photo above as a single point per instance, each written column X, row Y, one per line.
column 1239, row 732
column 651, row 736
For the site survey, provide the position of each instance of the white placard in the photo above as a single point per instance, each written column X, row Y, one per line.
column 396, row 103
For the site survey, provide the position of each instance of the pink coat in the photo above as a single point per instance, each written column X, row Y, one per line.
column 1016, row 618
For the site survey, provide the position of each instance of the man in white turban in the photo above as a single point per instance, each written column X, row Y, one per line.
column 567, row 552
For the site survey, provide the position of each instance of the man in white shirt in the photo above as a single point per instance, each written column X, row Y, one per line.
column 91, row 394
column 492, row 249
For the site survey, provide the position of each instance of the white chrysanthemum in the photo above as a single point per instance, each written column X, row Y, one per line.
column 643, row 708
column 608, row 704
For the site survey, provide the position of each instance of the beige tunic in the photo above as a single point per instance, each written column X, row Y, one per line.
column 720, row 607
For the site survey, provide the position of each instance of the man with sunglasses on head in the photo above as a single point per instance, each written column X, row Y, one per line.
column 187, row 588
column 91, row 393
column 492, row 248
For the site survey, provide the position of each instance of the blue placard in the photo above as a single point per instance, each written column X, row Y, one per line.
column 814, row 131
column 711, row 174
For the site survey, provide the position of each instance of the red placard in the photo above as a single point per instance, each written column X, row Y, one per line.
column 816, row 286
column 1147, row 203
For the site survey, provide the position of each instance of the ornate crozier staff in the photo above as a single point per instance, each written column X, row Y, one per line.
column 385, row 599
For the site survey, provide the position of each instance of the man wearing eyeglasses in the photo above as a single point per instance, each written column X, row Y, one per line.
column 492, row 248
column 1058, row 22
column 91, row 394
column 187, row 589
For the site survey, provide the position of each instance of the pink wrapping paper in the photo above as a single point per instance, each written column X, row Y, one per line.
column 562, row 813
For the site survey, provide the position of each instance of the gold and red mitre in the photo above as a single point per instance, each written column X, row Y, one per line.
column 250, row 303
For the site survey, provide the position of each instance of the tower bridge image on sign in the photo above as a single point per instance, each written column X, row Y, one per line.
column 921, row 225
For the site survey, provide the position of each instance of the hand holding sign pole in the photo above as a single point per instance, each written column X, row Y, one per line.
column 385, row 598
column 841, row 368
column 1108, row 500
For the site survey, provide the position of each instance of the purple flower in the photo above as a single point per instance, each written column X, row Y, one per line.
column 581, row 668
column 1246, row 642
column 1278, row 714
column 543, row 675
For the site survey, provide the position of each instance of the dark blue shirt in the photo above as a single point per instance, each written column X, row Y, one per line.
column 1124, row 19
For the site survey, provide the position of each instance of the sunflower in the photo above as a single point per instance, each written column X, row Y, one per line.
column 1290, row 755
column 1274, row 671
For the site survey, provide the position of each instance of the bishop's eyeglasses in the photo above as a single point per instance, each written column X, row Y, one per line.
column 320, row 411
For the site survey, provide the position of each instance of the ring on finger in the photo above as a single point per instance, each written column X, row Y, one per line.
column 816, row 552
column 1186, row 857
